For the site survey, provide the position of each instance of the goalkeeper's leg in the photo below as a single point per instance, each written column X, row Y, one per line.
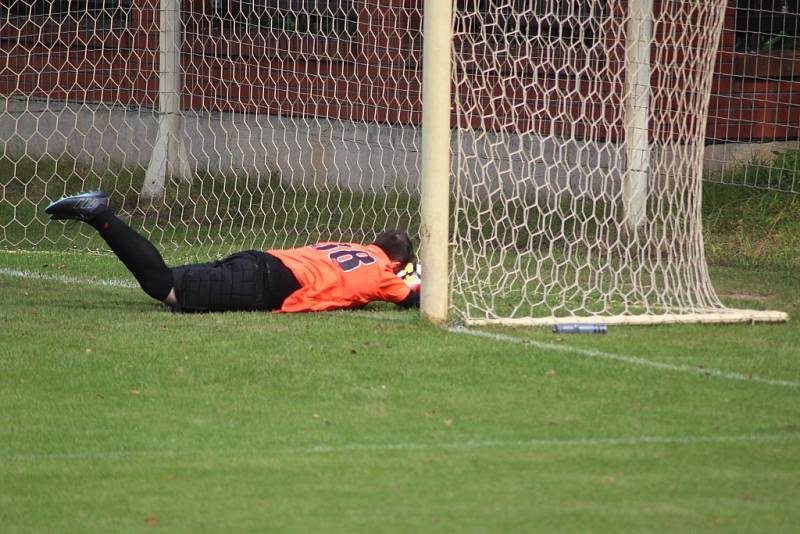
column 141, row 258
column 137, row 253
column 250, row 280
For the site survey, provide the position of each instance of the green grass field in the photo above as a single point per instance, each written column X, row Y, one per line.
column 119, row 416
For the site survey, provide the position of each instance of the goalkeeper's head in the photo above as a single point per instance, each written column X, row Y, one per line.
column 397, row 245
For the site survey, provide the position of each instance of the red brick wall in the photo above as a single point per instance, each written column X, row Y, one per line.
column 374, row 77
column 755, row 97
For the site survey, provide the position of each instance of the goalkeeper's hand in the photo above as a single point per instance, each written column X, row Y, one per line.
column 412, row 276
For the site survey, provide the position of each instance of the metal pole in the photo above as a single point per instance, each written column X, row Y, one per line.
column 639, row 33
column 434, row 230
column 169, row 152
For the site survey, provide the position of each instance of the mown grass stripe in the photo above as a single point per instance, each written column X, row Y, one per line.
column 619, row 441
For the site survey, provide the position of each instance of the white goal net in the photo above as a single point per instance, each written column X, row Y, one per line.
column 578, row 129
column 579, row 158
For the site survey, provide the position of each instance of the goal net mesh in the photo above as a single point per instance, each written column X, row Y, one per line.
column 578, row 159
column 213, row 125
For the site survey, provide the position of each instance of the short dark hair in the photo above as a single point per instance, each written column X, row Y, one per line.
column 397, row 245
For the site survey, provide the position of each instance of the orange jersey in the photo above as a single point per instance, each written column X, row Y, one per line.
column 333, row 276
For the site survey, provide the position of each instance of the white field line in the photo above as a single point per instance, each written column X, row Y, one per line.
column 346, row 448
column 630, row 360
column 24, row 252
column 591, row 353
column 66, row 279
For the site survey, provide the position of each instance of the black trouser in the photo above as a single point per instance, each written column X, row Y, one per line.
column 250, row 280
column 245, row 281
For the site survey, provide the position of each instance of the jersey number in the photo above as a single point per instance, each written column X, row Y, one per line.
column 348, row 259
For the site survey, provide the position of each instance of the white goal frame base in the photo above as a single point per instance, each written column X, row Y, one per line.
column 715, row 317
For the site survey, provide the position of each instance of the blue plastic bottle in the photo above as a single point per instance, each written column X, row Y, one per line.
column 580, row 328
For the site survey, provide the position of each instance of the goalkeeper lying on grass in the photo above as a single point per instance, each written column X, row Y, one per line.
column 324, row 276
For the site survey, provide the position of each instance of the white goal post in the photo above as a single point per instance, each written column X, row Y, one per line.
column 435, row 212
column 547, row 153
